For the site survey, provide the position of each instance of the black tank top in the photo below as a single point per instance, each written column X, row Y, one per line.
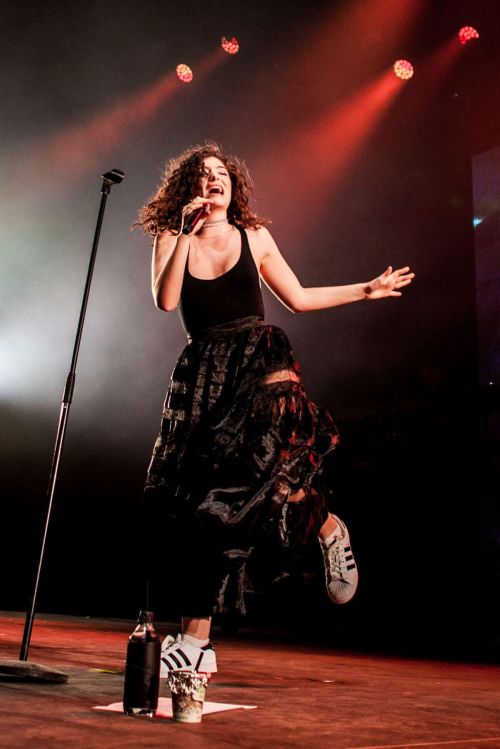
column 236, row 293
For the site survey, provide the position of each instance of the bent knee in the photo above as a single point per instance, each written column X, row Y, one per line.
column 282, row 375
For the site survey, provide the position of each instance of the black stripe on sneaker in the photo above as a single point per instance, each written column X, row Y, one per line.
column 174, row 659
column 348, row 558
column 347, row 548
column 351, row 566
column 198, row 662
column 167, row 664
column 183, row 656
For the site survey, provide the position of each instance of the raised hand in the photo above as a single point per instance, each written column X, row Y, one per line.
column 389, row 283
column 195, row 205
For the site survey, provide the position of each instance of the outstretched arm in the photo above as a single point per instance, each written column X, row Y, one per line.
column 283, row 282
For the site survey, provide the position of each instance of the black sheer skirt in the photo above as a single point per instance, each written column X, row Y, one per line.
column 230, row 452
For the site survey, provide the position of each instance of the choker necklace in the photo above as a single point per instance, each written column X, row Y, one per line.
column 219, row 234
column 215, row 223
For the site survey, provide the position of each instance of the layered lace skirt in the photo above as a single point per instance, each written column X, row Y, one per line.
column 238, row 436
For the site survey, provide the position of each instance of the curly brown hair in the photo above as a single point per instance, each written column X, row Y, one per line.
column 180, row 184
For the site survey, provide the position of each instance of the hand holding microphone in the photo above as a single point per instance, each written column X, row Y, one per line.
column 197, row 210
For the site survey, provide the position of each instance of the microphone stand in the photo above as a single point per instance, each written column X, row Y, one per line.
column 24, row 669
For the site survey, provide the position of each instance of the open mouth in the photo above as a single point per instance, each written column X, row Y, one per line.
column 216, row 190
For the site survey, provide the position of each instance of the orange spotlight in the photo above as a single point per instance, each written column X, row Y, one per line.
column 184, row 73
column 230, row 45
column 310, row 155
column 81, row 148
column 316, row 158
column 347, row 44
column 340, row 135
column 467, row 33
column 403, row 69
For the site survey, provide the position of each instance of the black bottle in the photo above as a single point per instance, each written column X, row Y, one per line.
column 142, row 670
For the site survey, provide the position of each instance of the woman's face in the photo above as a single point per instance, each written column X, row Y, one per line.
column 215, row 182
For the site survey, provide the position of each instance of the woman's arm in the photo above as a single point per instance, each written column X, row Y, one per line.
column 170, row 253
column 283, row 282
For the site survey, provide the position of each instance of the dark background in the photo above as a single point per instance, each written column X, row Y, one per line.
column 416, row 466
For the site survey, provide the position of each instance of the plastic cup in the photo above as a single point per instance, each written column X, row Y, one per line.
column 188, row 690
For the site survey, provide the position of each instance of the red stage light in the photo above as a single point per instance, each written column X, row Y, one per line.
column 403, row 69
column 184, row 73
column 467, row 33
column 231, row 46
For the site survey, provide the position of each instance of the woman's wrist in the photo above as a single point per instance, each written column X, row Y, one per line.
column 366, row 290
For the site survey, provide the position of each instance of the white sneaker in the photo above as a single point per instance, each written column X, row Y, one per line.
column 179, row 655
column 340, row 568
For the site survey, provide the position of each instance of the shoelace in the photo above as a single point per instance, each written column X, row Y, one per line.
column 335, row 558
column 169, row 640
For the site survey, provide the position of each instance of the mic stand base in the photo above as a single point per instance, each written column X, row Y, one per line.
column 16, row 670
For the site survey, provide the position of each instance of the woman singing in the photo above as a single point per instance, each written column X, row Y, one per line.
column 236, row 468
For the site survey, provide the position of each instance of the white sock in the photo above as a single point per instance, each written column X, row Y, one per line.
column 195, row 641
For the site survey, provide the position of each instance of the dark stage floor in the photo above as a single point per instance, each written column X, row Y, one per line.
column 305, row 696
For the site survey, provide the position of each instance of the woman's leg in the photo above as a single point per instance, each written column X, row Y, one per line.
column 199, row 581
column 190, row 651
column 330, row 523
column 340, row 568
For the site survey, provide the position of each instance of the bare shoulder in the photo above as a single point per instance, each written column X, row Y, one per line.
column 261, row 243
column 164, row 233
column 259, row 234
column 165, row 239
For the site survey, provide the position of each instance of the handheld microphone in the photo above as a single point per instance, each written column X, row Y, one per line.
column 192, row 219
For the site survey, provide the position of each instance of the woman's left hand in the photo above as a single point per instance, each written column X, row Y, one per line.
column 389, row 283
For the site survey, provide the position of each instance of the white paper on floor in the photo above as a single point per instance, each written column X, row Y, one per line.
column 165, row 707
